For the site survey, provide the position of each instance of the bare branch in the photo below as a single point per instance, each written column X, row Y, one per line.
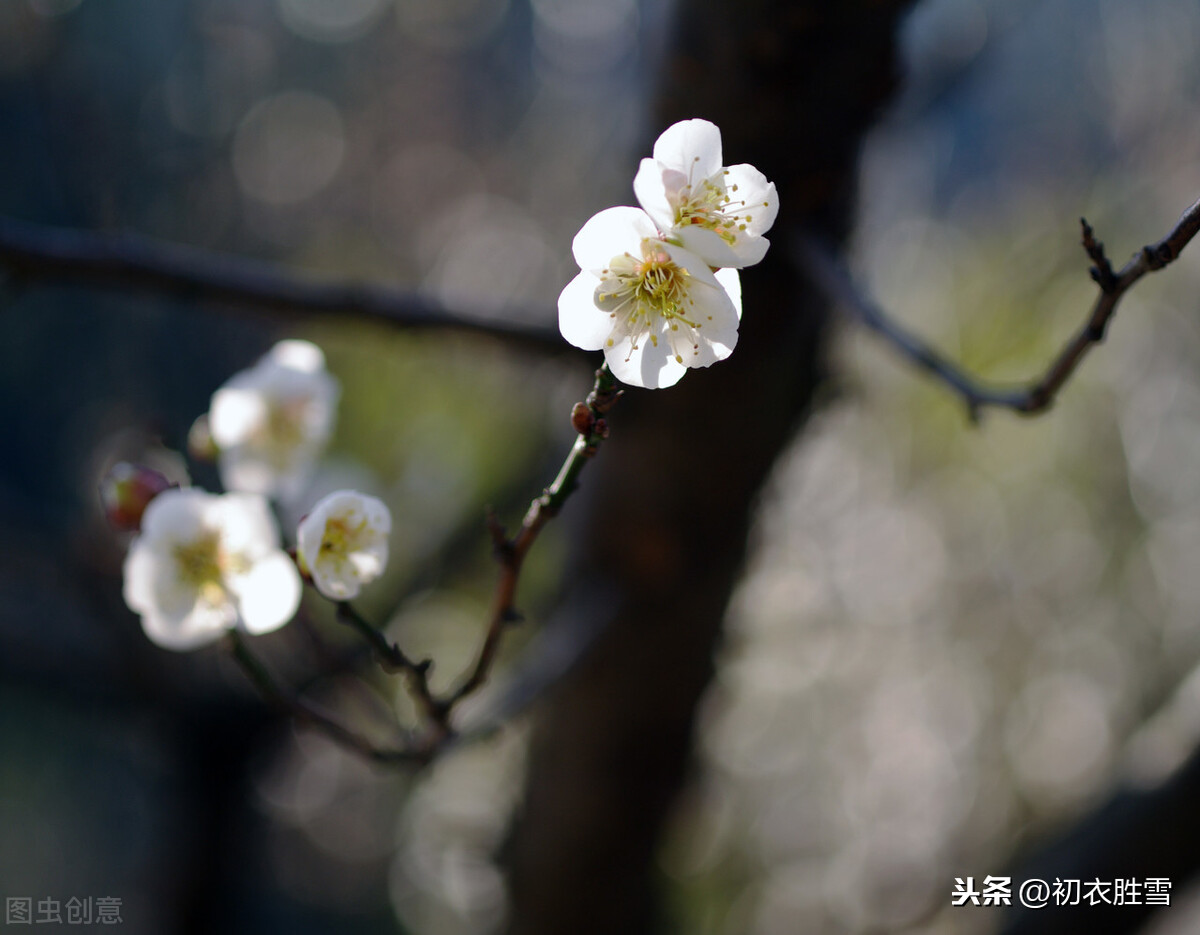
column 589, row 420
column 394, row 659
column 436, row 733
column 830, row 275
column 304, row 712
column 32, row 253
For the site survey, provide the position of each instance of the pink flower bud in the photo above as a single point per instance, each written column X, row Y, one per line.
column 582, row 419
column 127, row 490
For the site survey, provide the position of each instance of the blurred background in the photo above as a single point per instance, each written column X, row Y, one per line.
column 951, row 643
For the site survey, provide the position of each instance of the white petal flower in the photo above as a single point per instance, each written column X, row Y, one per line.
column 343, row 543
column 718, row 212
column 655, row 308
column 205, row 564
column 271, row 422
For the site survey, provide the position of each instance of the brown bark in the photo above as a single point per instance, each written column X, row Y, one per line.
column 794, row 86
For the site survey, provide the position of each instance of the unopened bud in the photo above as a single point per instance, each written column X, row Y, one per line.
column 200, row 441
column 127, row 490
column 582, row 418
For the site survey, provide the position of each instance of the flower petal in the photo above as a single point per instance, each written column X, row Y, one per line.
column 691, row 146
column 652, row 365
column 369, row 565
column 708, row 245
column 141, row 571
column 732, row 284
column 331, row 581
column 718, row 334
column 247, row 524
column 175, row 514
column 269, row 594
column 200, row 624
column 759, row 195
column 297, row 355
column 579, row 320
column 715, row 309
column 650, row 187
column 749, row 250
column 235, row 414
column 610, row 233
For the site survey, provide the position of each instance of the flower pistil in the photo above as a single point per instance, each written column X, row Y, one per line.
column 637, row 293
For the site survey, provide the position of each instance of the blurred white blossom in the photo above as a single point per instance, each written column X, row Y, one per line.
column 270, row 423
column 343, row 543
column 654, row 307
column 205, row 564
column 718, row 212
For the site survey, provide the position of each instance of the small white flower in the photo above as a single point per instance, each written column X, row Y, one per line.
column 655, row 308
column 271, row 422
column 205, row 564
column 343, row 543
column 718, row 212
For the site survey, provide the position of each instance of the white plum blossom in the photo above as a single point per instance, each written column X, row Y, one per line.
column 343, row 543
column 718, row 212
column 654, row 307
column 272, row 422
column 205, row 564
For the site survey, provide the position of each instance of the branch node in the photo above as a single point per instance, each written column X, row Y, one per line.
column 604, row 393
column 1158, row 255
column 1102, row 273
column 501, row 544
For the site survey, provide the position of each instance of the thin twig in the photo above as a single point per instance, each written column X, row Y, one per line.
column 32, row 253
column 393, row 659
column 830, row 275
column 304, row 712
column 589, row 419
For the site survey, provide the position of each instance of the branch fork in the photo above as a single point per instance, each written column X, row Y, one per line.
column 436, row 730
column 829, row 275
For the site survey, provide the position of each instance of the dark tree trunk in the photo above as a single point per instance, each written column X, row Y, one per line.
column 1137, row 834
column 793, row 86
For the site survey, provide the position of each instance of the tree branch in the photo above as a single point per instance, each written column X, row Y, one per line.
column 830, row 275
column 394, row 659
column 436, row 732
column 589, row 420
column 305, row 713
column 32, row 253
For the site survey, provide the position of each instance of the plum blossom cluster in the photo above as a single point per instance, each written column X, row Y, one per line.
column 658, row 288
column 272, row 422
column 203, row 564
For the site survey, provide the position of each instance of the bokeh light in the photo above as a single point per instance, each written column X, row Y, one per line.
column 331, row 20
column 288, row 147
column 451, row 25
